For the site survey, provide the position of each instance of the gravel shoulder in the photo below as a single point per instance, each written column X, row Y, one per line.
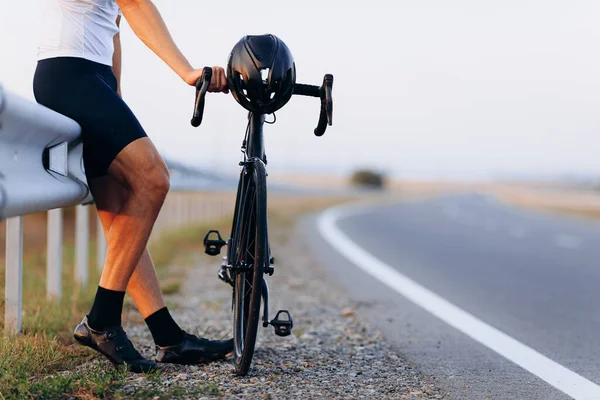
column 330, row 354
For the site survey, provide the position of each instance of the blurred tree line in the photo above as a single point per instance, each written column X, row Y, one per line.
column 368, row 179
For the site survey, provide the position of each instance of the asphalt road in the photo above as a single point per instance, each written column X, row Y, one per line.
column 533, row 276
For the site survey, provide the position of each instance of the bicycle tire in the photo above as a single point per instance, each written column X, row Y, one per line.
column 249, row 249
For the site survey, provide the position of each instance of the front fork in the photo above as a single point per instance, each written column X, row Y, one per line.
column 283, row 327
column 265, row 299
column 225, row 277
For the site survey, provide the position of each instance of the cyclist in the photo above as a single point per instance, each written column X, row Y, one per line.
column 78, row 75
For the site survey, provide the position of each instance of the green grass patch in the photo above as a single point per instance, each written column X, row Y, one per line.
column 93, row 383
column 43, row 362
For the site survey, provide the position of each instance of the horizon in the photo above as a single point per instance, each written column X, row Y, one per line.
column 461, row 91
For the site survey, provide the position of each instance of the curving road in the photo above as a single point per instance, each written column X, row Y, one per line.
column 488, row 300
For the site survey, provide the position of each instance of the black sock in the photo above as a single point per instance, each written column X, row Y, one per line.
column 164, row 329
column 107, row 309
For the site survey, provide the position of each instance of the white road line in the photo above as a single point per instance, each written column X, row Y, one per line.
column 553, row 373
column 568, row 241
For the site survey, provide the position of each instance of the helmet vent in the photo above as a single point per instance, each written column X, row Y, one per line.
column 264, row 74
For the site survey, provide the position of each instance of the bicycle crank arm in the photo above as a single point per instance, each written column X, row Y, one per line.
column 265, row 298
column 283, row 327
column 223, row 275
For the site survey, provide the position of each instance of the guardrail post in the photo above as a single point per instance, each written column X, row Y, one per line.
column 188, row 209
column 82, row 240
column 195, row 208
column 100, row 245
column 170, row 212
column 186, row 214
column 179, row 210
column 54, row 254
column 14, row 274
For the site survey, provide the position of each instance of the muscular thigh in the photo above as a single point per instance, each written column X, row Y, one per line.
column 86, row 92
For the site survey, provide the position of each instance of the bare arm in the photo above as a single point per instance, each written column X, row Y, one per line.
column 146, row 22
column 117, row 58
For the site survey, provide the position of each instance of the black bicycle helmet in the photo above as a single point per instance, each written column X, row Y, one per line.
column 261, row 73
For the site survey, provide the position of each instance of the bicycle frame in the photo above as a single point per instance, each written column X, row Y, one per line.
column 254, row 161
column 255, row 150
column 255, row 141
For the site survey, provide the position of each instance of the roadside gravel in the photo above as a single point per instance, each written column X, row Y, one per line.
column 330, row 354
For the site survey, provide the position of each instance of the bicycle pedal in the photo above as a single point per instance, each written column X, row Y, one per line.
column 283, row 327
column 212, row 247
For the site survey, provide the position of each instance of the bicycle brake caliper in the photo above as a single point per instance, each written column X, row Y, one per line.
column 212, row 247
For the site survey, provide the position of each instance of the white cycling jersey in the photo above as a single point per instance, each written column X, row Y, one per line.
column 79, row 28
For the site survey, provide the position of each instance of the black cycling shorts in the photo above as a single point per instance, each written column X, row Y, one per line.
column 86, row 92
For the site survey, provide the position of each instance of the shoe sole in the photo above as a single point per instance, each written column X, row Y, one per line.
column 130, row 367
column 193, row 357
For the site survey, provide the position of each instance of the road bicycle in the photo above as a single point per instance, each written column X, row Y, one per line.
column 249, row 259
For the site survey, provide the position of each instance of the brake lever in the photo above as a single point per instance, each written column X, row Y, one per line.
column 326, row 115
column 328, row 86
column 201, row 88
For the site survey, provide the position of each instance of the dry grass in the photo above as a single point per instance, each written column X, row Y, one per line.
column 584, row 204
column 568, row 210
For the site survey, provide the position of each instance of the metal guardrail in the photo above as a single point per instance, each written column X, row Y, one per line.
column 40, row 158
column 41, row 169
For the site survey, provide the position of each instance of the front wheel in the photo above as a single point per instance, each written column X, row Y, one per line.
column 249, row 258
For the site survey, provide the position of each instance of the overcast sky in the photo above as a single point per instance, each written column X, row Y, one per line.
column 422, row 88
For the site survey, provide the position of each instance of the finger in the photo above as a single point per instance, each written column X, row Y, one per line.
column 213, row 85
column 223, row 80
column 218, row 82
column 224, row 87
